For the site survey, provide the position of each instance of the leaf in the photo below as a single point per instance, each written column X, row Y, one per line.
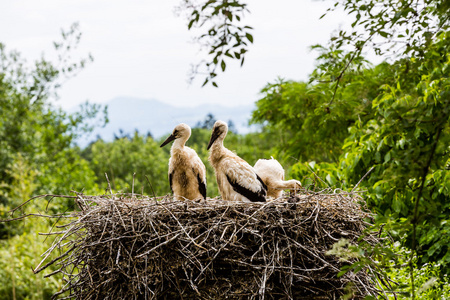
column 249, row 37
column 387, row 157
column 330, row 179
column 383, row 33
column 191, row 23
column 223, row 65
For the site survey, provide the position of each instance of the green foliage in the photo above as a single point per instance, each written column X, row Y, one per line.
column 430, row 282
column 225, row 38
column 37, row 156
column 408, row 143
column 21, row 187
column 308, row 125
column 393, row 27
column 19, row 255
column 124, row 157
column 30, row 127
column 393, row 118
column 20, row 245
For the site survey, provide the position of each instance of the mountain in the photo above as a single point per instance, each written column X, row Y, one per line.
column 149, row 115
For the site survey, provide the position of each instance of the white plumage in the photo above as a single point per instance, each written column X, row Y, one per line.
column 187, row 173
column 237, row 180
column 272, row 173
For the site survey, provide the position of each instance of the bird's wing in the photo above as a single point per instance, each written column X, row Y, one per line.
column 199, row 170
column 171, row 180
column 269, row 168
column 171, row 171
column 244, row 180
column 201, row 186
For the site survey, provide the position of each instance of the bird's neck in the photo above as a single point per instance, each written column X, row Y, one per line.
column 178, row 145
column 217, row 152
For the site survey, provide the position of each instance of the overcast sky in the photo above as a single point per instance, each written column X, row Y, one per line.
column 142, row 49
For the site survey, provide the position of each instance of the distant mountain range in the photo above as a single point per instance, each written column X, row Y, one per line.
column 147, row 115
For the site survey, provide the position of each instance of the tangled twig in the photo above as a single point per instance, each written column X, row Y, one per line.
column 123, row 247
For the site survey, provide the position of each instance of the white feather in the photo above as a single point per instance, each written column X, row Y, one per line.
column 272, row 173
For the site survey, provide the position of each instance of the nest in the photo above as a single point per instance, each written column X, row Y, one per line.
column 135, row 247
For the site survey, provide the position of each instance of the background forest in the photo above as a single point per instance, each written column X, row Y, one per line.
column 388, row 123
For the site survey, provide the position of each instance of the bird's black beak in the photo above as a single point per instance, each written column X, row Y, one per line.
column 168, row 140
column 215, row 134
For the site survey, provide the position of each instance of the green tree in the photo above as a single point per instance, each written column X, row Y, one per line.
column 37, row 156
column 398, row 121
column 299, row 113
column 125, row 156
column 31, row 127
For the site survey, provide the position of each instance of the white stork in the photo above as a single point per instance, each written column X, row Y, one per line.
column 237, row 180
column 272, row 173
column 187, row 173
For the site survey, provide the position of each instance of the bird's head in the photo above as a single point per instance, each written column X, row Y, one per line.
column 181, row 131
column 220, row 129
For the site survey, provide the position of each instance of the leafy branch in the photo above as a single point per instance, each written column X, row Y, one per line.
column 225, row 39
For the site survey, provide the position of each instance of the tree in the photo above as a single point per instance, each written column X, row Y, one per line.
column 208, row 123
column 299, row 112
column 37, row 156
column 128, row 158
column 33, row 131
column 408, row 139
column 398, row 121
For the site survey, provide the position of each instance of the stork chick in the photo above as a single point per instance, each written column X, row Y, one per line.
column 187, row 173
column 272, row 173
column 237, row 180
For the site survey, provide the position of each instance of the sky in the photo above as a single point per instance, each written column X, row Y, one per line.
column 143, row 49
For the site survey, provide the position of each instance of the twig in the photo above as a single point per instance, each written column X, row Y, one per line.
column 125, row 246
column 109, row 184
column 151, row 187
column 365, row 175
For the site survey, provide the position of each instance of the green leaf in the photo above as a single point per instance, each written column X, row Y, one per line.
column 191, row 23
column 249, row 37
column 383, row 33
column 223, row 65
column 387, row 157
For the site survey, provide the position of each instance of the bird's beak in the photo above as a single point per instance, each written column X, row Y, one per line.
column 215, row 134
column 168, row 140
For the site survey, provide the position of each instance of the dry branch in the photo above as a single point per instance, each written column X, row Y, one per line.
column 124, row 247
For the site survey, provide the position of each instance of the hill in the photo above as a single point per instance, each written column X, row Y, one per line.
column 148, row 115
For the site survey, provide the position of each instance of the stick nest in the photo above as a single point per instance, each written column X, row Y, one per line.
column 134, row 247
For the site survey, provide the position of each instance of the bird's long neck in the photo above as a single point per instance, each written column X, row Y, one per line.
column 178, row 145
column 217, row 151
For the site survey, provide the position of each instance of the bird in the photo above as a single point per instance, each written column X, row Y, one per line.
column 236, row 179
column 272, row 173
column 187, row 173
